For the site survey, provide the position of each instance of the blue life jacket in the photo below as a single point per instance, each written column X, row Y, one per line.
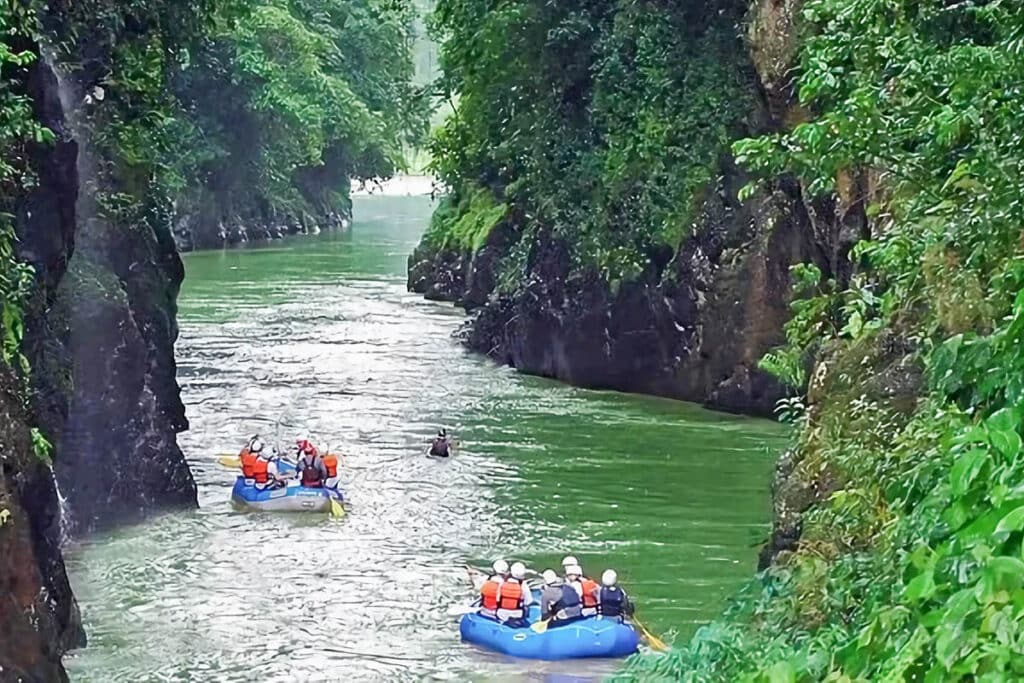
column 612, row 601
column 569, row 603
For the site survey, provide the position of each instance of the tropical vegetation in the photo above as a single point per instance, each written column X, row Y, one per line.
column 599, row 123
column 910, row 564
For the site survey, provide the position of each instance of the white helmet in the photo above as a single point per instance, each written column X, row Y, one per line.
column 609, row 578
column 550, row 577
column 255, row 446
column 500, row 567
column 569, row 561
column 574, row 570
column 518, row 570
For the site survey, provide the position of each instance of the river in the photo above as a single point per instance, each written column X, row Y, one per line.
column 319, row 334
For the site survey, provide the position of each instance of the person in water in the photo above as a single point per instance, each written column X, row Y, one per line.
column 441, row 445
column 612, row 601
column 310, row 467
column 514, row 597
column 259, row 467
column 490, row 592
column 559, row 601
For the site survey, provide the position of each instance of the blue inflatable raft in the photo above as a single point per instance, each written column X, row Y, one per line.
column 590, row 637
column 292, row 498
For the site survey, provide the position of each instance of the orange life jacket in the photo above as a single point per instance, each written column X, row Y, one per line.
column 248, row 459
column 589, row 597
column 489, row 595
column 510, row 596
column 331, row 463
column 260, row 472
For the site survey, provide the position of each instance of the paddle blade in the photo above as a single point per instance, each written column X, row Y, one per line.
column 231, row 461
column 539, row 626
column 653, row 641
column 336, row 509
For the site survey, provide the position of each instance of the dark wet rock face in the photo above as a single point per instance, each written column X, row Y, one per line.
column 100, row 331
column 211, row 222
column 118, row 457
column 99, row 334
column 693, row 329
column 39, row 618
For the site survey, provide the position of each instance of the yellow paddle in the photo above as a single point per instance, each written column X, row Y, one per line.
column 540, row 626
column 336, row 509
column 230, row 461
column 654, row 641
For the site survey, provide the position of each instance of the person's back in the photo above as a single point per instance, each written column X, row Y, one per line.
column 613, row 602
column 331, row 466
column 490, row 592
column 248, row 460
column 550, row 593
column 311, row 468
column 568, row 607
column 440, row 446
column 513, row 597
column 510, row 602
column 589, row 596
column 249, row 457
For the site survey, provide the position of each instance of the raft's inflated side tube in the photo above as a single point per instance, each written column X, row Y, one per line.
column 292, row 498
column 590, row 637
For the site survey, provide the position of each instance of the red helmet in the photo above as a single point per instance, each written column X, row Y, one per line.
column 306, row 447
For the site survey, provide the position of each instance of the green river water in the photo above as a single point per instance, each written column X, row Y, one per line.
column 320, row 334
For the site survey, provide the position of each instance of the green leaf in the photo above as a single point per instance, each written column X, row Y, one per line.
column 1005, row 420
column 1006, row 442
column 1005, row 564
column 965, row 469
column 921, row 587
column 781, row 672
column 1013, row 521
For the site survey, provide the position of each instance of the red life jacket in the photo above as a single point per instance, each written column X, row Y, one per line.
column 489, row 595
column 248, row 459
column 260, row 472
column 510, row 596
column 589, row 597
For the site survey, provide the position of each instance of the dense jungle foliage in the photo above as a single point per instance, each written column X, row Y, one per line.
column 262, row 110
column 17, row 129
column 911, row 561
column 267, row 107
column 598, row 122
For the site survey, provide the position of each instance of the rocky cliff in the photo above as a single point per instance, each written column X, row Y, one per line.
column 696, row 323
column 101, row 328
column 39, row 617
column 99, row 335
